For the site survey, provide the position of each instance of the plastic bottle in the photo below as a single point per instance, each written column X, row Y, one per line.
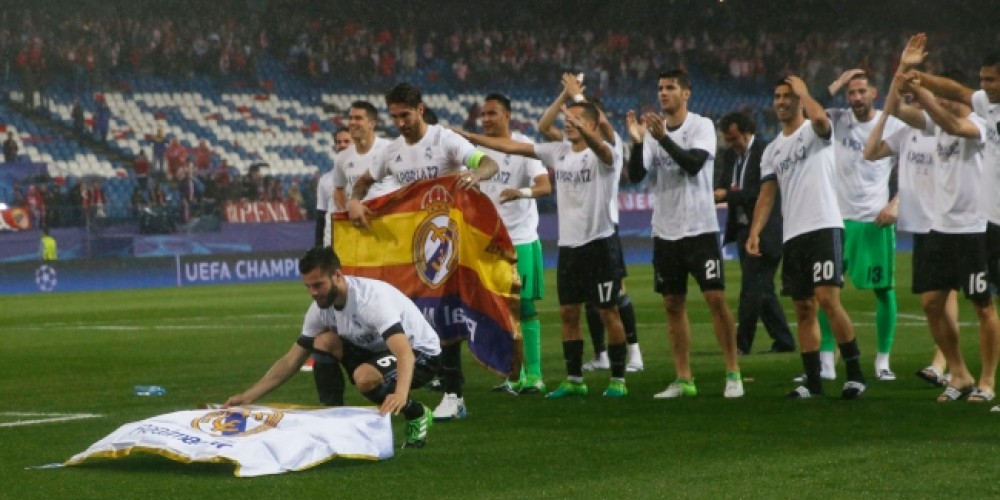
column 149, row 390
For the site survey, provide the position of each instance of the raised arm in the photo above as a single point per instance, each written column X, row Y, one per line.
column 875, row 147
column 592, row 138
column 690, row 160
column 546, row 124
column 637, row 131
column 954, row 125
column 842, row 80
column 814, row 110
column 501, row 144
column 947, row 88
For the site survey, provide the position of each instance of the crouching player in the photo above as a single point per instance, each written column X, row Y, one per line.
column 382, row 339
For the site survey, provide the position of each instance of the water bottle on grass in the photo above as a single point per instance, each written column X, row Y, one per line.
column 149, row 390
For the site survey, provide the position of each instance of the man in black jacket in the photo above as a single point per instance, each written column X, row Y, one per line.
column 737, row 184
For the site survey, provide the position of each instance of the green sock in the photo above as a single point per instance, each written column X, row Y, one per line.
column 826, row 340
column 531, row 330
column 885, row 319
column 733, row 376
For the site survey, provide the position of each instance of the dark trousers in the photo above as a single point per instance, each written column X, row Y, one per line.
column 758, row 300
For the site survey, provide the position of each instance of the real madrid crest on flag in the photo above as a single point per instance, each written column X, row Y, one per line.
column 435, row 242
column 237, row 422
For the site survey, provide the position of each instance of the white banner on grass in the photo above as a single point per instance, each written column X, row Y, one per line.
column 259, row 440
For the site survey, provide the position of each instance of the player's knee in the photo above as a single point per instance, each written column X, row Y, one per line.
column 528, row 310
column 675, row 304
column 367, row 378
column 570, row 314
column 805, row 309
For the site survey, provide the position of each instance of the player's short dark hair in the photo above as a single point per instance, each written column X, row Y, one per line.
column 341, row 129
column 589, row 110
column 429, row 116
column 683, row 80
column 744, row 123
column 404, row 93
column 992, row 59
column 367, row 107
column 319, row 257
column 782, row 81
column 500, row 98
column 862, row 75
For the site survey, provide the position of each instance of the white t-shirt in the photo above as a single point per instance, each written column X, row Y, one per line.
column 802, row 163
column 438, row 153
column 519, row 216
column 862, row 185
column 372, row 307
column 584, row 184
column 915, row 150
column 324, row 201
column 351, row 165
column 989, row 201
column 684, row 204
column 957, row 172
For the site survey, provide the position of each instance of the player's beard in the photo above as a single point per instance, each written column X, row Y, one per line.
column 327, row 300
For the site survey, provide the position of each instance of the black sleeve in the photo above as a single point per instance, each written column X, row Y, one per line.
column 636, row 170
column 396, row 328
column 320, row 227
column 691, row 161
column 305, row 342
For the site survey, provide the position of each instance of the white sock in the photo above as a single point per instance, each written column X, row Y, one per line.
column 881, row 361
column 826, row 364
column 633, row 350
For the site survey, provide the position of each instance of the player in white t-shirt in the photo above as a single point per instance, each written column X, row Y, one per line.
column 915, row 151
column 421, row 152
column 800, row 161
column 325, row 206
column 513, row 190
column 377, row 332
column 326, row 370
column 363, row 154
column 957, row 237
column 676, row 154
column 588, row 268
column 868, row 212
column 573, row 92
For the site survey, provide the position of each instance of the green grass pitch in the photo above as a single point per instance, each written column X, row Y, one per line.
column 83, row 353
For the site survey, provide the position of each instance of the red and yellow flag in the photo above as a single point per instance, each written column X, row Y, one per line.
column 448, row 250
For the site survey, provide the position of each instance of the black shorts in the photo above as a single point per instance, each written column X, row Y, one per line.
column 921, row 264
column 591, row 273
column 425, row 366
column 699, row 256
column 993, row 253
column 812, row 259
column 958, row 263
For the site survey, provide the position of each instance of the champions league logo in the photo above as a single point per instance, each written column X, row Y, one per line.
column 46, row 279
column 237, row 423
column 435, row 242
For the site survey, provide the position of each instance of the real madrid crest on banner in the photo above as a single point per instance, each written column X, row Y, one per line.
column 435, row 242
column 238, row 423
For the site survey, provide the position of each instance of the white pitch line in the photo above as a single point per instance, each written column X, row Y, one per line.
column 50, row 417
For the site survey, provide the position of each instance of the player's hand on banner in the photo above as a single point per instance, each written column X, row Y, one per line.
column 236, row 400
column 358, row 213
column 468, row 180
column 393, row 403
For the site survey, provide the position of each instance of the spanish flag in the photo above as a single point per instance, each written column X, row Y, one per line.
column 448, row 250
